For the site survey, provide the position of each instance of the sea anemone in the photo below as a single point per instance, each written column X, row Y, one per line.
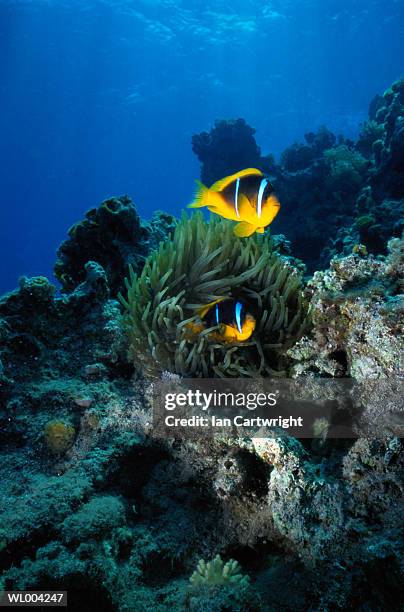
column 201, row 263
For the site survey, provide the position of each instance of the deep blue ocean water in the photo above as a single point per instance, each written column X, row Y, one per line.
column 102, row 97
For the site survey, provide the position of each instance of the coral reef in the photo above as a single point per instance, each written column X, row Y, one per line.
column 202, row 262
column 388, row 149
column 121, row 518
column 113, row 236
column 346, row 169
column 370, row 133
column 334, row 192
column 229, row 147
column 357, row 311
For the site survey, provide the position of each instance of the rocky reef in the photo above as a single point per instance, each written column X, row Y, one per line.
column 335, row 193
column 228, row 147
column 93, row 502
column 114, row 236
column 357, row 312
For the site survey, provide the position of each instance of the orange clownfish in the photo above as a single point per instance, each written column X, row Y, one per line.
column 246, row 196
column 234, row 323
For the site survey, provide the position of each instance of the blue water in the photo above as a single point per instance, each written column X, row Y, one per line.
column 102, row 97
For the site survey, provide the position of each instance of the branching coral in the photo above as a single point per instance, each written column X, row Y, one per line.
column 216, row 572
column 202, row 262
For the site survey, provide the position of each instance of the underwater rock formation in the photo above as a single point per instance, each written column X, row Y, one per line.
column 388, row 147
column 335, row 193
column 318, row 193
column 101, row 521
column 346, row 169
column 300, row 156
column 227, row 148
column 357, row 315
column 357, row 187
column 204, row 262
column 47, row 342
column 113, row 236
column 120, row 518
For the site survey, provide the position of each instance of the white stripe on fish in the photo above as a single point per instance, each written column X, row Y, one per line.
column 261, row 190
column 236, row 197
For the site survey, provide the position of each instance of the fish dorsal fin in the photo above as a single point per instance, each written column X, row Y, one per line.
column 228, row 180
column 202, row 311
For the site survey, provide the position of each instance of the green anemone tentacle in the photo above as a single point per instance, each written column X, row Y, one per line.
column 200, row 263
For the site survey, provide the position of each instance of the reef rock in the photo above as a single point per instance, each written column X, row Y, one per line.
column 113, row 236
column 357, row 315
column 119, row 517
column 335, row 193
column 388, row 149
column 228, row 147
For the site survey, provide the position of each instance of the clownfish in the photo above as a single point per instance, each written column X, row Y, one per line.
column 234, row 323
column 246, row 196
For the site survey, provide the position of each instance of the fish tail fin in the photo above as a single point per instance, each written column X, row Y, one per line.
column 201, row 198
column 244, row 229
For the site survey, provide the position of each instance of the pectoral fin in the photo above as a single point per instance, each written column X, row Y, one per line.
column 246, row 210
column 224, row 209
column 244, row 229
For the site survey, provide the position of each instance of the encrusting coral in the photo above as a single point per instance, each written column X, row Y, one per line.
column 203, row 262
column 217, row 572
column 59, row 436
